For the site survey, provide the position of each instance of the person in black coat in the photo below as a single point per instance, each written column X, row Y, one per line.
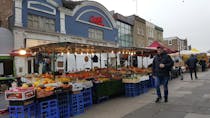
column 203, row 64
column 161, row 67
column 191, row 63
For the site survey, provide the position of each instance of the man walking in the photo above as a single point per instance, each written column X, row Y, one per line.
column 203, row 64
column 191, row 63
column 161, row 67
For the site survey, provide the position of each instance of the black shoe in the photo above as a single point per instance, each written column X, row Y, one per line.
column 158, row 100
column 196, row 77
column 166, row 99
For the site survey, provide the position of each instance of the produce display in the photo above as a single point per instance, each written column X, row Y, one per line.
column 105, row 82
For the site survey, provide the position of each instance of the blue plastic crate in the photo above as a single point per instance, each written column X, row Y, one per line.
column 87, row 97
column 148, row 83
column 48, row 109
column 132, row 89
column 152, row 82
column 63, row 104
column 140, row 88
column 76, row 104
column 144, row 86
column 131, row 85
column 27, row 111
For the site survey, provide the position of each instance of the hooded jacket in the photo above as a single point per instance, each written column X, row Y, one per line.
column 165, row 59
column 191, row 62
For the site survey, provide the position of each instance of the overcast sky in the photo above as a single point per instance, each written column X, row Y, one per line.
column 183, row 18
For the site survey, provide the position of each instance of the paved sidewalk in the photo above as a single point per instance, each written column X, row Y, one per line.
column 187, row 99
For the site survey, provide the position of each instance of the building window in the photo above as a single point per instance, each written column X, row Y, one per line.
column 41, row 23
column 150, row 32
column 169, row 42
column 95, row 34
column 140, row 30
column 124, row 34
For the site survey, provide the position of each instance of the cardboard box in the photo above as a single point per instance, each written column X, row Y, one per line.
column 20, row 94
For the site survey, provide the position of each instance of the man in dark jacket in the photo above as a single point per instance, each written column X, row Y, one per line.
column 161, row 67
column 203, row 64
column 191, row 63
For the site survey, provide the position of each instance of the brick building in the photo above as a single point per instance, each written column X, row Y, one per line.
column 176, row 43
column 5, row 12
column 139, row 31
column 158, row 34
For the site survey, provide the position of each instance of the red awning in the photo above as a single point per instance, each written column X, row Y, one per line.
column 156, row 44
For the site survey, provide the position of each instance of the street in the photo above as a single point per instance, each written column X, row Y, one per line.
column 187, row 99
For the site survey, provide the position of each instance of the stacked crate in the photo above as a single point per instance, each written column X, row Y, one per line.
column 132, row 89
column 48, row 109
column 27, row 111
column 63, row 104
column 87, row 96
column 76, row 103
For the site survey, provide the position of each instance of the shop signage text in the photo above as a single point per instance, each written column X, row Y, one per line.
column 97, row 20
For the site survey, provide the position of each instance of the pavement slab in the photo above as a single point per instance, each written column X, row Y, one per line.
column 193, row 115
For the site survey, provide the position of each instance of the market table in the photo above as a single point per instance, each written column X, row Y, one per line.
column 107, row 89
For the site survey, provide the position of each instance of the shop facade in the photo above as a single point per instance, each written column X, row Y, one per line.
column 38, row 22
column 6, row 46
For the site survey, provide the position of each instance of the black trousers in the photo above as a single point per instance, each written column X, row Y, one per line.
column 191, row 71
column 203, row 68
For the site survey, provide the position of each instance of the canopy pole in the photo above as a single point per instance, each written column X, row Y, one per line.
column 142, row 59
column 107, row 60
column 66, row 63
column 75, row 58
column 116, row 60
column 127, row 60
column 100, row 59
column 91, row 56
column 54, row 59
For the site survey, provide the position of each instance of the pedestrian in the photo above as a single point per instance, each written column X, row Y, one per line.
column 191, row 63
column 203, row 64
column 161, row 67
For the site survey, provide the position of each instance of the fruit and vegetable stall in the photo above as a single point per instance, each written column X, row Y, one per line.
column 69, row 94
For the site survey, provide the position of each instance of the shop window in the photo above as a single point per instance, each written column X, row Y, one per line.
column 95, row 34
column 41, row 23
column 124, row 34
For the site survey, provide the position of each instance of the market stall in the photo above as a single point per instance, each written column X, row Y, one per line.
column 76, row 89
